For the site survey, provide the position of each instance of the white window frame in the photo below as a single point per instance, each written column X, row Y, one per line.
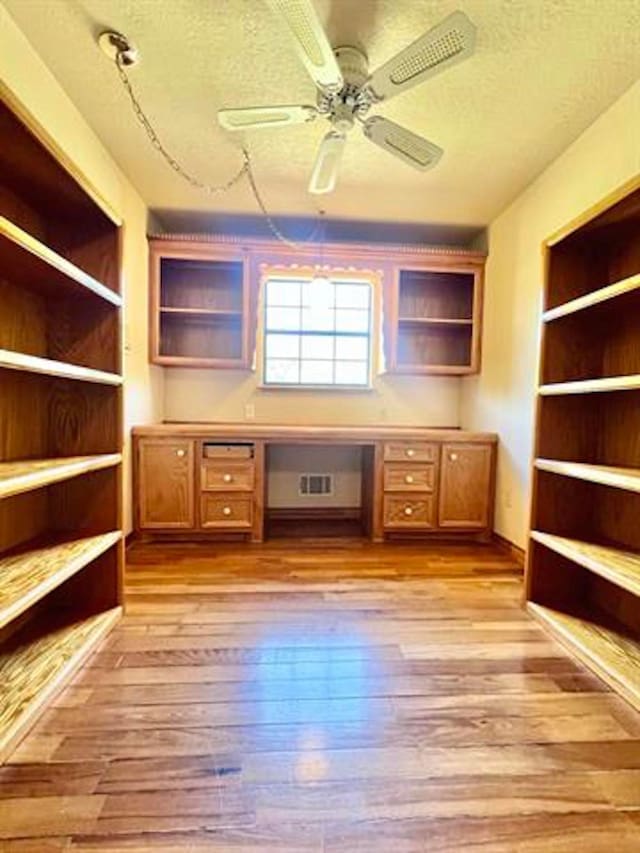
column 337, row 279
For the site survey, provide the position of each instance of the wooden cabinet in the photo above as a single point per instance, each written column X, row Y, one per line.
column 436, row 318
column 204, row 299
column 166, row 484
column 465, row 481
column 212, row 481
column 199, row 305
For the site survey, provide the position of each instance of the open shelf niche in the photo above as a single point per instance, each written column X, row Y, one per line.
column 437, row 317
column 61, row 552
column 583, row 568
column 199, row 306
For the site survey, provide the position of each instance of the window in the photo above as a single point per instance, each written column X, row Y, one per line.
column 317, row 332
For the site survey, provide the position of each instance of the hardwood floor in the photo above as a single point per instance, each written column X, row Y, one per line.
column 327, row 696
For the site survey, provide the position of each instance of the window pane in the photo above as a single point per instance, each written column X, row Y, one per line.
column 319, row 293
column 316, row 373
column 352, row 348
column 283, row 372
column 352, row 295
column 352, row 320
column 283, row 318
column 283, row 292
column 351, row 373
column 282, row 346
column 317, row 346
column 317, row 319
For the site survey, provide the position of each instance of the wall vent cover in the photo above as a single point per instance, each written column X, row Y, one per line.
column 315, row 484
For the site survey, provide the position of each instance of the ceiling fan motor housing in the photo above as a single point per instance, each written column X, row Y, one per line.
column 350, row 101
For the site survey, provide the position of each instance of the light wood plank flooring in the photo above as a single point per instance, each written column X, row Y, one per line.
column 327, row 696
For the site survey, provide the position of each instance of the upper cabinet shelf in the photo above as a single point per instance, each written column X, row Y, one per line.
column 199, row 306
column 435, row 321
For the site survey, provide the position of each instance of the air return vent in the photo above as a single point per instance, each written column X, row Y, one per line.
column 315, row 484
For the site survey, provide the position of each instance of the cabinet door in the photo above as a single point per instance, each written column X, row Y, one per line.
column 166, row 484
column 465, row 485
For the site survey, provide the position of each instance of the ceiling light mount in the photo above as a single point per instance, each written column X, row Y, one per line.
column 118, row 48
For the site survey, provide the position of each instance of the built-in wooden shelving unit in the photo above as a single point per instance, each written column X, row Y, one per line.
column 61, row 415
column 583, row 568
column 199, row 305
column 436, row 319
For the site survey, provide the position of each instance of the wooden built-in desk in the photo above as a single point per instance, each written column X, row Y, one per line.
column 208, row 479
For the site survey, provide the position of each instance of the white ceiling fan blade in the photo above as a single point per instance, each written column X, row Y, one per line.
column 413, row 149
column 449, row 42
column 325, row 169
column 248, row 118
column 311, row 41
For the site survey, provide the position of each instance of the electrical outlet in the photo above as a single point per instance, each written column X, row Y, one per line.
column 249, row 411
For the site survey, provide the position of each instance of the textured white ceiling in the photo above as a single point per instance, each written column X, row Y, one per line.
column 543, row 71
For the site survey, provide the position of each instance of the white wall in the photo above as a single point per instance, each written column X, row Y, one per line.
column 221, row 395
column 27, row 80
column 502, row 397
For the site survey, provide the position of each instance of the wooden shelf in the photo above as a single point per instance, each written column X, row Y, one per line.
column 49, row 367
column 435, row 321
column 605, row 475
column 625, row 285
column 620, row 567
column 38, row 263
column 24, row 475
column 612, row 654
column 202, row 313
column 29, row 575
column 33, row 668
column 592, row 386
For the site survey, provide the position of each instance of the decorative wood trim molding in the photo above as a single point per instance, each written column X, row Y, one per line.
column 352, row 249
column 514, row 551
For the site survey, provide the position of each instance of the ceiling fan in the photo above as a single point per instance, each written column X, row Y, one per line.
column 346, row 90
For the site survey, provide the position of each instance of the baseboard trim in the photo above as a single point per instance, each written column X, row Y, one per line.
column 514, row 551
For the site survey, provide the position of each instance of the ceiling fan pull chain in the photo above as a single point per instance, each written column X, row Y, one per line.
column 157, row 143
column 211, row 189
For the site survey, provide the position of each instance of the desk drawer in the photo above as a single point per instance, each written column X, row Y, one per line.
column 227, row 451
column 227, row 475
column 409, row 478
column 410, row 451
column 408, row 512
column 226, row 512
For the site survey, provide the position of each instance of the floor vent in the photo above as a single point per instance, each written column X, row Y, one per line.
column 316, row 484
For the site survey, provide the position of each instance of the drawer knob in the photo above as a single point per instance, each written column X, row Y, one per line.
column 408, row 510
column 228, row 478
column 453, row 457
column 226, row 510
column 410, row 452
column 180, row 453
column 408, row 478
